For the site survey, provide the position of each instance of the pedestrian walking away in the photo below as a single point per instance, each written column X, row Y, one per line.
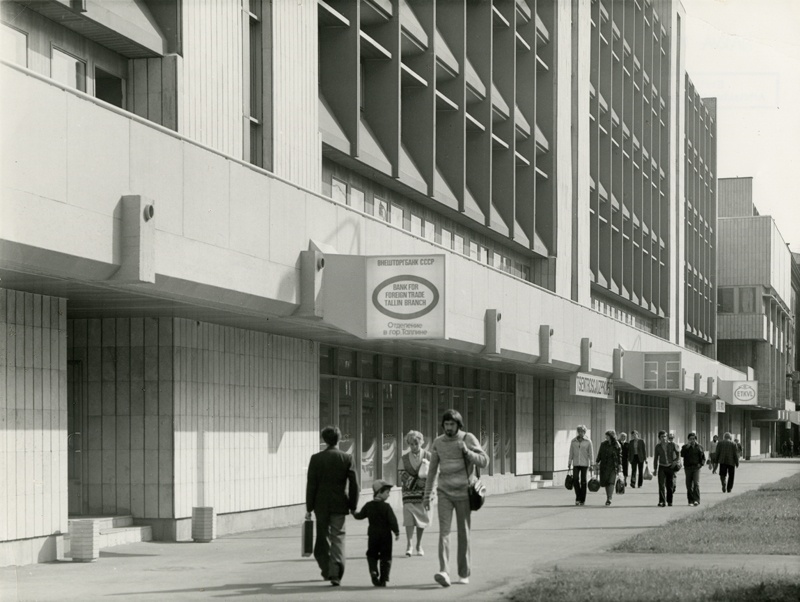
column 677, row 450
column 694, row 458
column 624, row 445
column 665, row 456
column 413, row 471
column 382, row 524
column 637, row 451
column 609, row 460
column 712, row 455
column 331, row 494
column 581, row 456
column 728, row 458
column 453, row 456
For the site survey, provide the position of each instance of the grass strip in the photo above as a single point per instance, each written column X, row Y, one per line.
column 623, row 584
column 763, row 521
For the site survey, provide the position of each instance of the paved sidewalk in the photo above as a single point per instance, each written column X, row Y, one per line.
column 514, row 537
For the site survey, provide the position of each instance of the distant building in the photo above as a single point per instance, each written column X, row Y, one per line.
column 756, row 322
column 225, row 225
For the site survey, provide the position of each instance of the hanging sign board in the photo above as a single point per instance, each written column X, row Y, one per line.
column 405, row 297
column 588, row 385
column 720, row 406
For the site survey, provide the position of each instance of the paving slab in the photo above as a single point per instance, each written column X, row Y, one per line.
column 514, row 538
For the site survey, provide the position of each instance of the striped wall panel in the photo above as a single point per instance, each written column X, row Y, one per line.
column 245, row 418
column 296, row 106
column 33, row 415
column 212, row 82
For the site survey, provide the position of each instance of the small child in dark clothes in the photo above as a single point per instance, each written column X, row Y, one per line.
column 382, row 523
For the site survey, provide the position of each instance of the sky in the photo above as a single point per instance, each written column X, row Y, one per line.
column 746, row 54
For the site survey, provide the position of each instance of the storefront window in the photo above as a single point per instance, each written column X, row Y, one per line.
column 497, row 439
column 426, row 416
column 347, row 415
column 411, row 421
column 484, row 432
column 509, row 434
column 390, row 443
column 369, row 433
column 374, row 415
column 325, row 406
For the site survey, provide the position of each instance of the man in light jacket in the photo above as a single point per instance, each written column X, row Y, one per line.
column 453, row 456
column 580, row 458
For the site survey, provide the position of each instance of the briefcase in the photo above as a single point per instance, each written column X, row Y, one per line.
column 307, row 538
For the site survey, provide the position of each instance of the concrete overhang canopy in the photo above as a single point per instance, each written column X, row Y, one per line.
column 124, row 26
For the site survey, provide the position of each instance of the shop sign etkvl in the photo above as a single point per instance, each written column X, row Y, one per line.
column 405, row 297
column 745, row 393
column 588, row 385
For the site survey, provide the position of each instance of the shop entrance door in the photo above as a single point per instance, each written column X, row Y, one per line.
column 76, row 427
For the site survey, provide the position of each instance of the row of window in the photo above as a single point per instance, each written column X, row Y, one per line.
column 375, row 415
column 740, row 300
column 65, row 68
column 347, row 362
column 396, row 215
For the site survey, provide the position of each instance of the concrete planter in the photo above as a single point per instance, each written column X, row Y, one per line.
column 204, row 524
column 84, row 540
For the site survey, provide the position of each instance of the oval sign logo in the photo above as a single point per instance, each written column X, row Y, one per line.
column 745, row 393
column 405, row 297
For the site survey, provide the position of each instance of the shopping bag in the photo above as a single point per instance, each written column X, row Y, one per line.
column 307, row 538
column 620, row 486
column 568, row 482
column 594, row 483
column 647, row 474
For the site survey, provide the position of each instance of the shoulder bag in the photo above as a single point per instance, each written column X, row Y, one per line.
column 568, row 482
column 594, row 484
column 475, row 489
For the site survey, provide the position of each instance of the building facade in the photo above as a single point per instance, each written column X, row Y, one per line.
column 757, row 316
column 202, row 237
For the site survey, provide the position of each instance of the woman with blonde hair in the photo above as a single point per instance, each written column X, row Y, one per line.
column 413, row 473
column 609, row 458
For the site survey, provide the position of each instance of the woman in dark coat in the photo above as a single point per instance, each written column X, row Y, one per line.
column 609, row 460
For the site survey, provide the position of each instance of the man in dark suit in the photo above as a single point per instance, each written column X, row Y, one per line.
column 728, row 458
column 329, row 472
column 637, row 454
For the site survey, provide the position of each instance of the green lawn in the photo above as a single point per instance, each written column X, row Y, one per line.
column 630, row 585
column 766, row 521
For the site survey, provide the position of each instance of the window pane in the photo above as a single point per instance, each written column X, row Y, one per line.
column 339, row 191
column 382, row 208
column 447, row 238
column 510, row 435
column 426, row 416
column 458, row 243
column 443, row 403
column 388, row 367
column 747, row 300
column 424, row 375
column 416, row 225
column 14, row 45
column 410, row 420
column 325, row 406
column 473, row 415
column 458, row 402
column 497, row 441
column 68, row 70
column 725, row 300
column 357, row 198
column 484, row 434
column 367, row 365
column 345, row 362
column 406, row 370
column 396, row 215
column 390, row 444
column 369, row 436
column 325, row 363
column 347, row 415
